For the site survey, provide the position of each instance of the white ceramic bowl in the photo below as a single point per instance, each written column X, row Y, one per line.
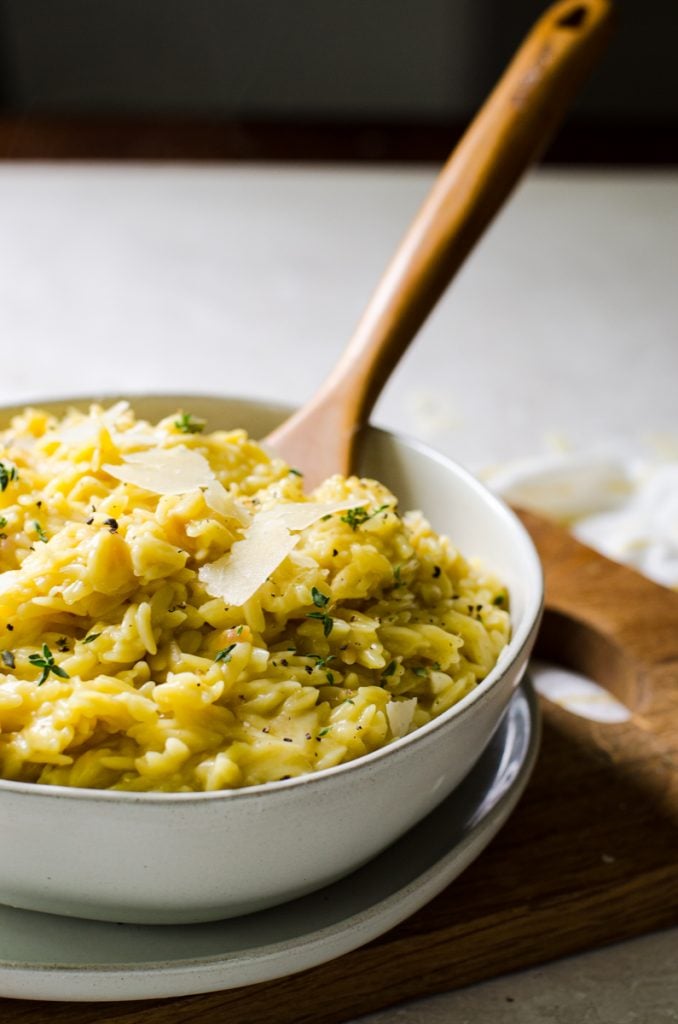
column 171, row 858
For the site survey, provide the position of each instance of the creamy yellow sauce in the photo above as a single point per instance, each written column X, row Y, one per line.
column 168, row 622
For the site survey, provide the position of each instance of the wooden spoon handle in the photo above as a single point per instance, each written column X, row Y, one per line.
column 509, row 132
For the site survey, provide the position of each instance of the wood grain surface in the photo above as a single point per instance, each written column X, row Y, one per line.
column 588, row 857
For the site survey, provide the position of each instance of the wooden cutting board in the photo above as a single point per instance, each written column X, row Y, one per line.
column 588, row 857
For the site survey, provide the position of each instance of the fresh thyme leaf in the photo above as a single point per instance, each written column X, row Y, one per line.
column 3, row 522
column 355, row 517
column 188, row 424
column 324, row 732
column 319, row 600
column 224, row 655
column 46, row 662
column 91, row 638
column 327, row 621
column 330, row 677
column 295, row 472
column 421, row 672
column 8, row 659
column 7, row 474
column 322, row 662
column 40, row 532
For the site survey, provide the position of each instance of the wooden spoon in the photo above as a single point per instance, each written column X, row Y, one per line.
column 509, row 132
column 601, row 618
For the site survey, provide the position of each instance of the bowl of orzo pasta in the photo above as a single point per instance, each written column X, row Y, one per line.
column 219, row 691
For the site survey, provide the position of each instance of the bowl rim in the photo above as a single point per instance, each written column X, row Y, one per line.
column 510, row 654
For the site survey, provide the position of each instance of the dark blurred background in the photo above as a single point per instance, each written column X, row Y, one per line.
column 309, row 79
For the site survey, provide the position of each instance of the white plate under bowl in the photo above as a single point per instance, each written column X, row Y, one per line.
column 100, row 961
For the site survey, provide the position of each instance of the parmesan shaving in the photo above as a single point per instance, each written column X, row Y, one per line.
column 164, row 470
column 111, row 415
column 219, row 500
column 83, row 432
column 400, row 714
column 298, row 515
column 237, row 576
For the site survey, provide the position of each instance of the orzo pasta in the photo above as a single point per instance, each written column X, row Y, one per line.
column 177, row 614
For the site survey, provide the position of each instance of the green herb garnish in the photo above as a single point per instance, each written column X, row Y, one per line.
column 355, row 517
column 322, row 662
column 91, row 638
column 499, row 599
column 8, row 659
column 390, row 668
column 295, row 472
column 3, row 522
column 188, row 424
column 319, row 600
column 327, row 621
column 46, row 662
column 6, row 475
column 324, row 732
column 224, row 655
column 40, row 532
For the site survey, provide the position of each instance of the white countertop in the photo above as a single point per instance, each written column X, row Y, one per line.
column 250, row 279
column 562, row 328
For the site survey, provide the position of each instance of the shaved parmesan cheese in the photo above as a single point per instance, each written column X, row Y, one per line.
column 83, row 432
column 219, row 500
column 298, row 515
column 86, row 429
column 238, row 575
column 164, row 470
column 400, row 714
column 114, row 412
